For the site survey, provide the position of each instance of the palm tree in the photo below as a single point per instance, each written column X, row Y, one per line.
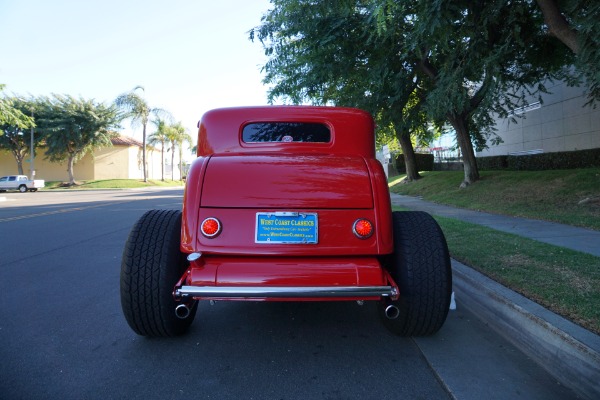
column 137, row 108
column 160, row 136
column 179, row 137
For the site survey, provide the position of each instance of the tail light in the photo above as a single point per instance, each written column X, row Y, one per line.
column 211, row 227
column 362, row 228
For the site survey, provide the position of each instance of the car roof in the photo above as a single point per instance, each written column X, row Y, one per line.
column 352, row 130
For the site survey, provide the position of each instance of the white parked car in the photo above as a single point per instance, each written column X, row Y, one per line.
column 21, row 183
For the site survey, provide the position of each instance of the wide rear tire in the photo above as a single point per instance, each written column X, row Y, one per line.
column 421, row 267
column 152, row 264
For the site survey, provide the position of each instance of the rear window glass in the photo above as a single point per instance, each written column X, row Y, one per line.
column 286, row 132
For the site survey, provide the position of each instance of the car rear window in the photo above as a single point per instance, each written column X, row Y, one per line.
column 286, row 132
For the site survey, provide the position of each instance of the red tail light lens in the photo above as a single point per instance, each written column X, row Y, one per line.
column 362, row 228
column 210, row 227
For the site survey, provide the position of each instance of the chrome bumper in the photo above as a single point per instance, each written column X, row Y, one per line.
column 234, row 292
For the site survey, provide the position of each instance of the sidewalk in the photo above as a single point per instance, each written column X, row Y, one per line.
column 567, row 351
column 579, row 239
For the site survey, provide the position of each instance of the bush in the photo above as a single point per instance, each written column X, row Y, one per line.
column 559, row 160
column 543, row 161
column 494, row 163
column 424, row 162
column 448, row 166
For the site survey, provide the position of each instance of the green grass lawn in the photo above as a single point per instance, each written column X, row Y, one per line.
column 112, row 184
column 562, row 280
column 566, row 196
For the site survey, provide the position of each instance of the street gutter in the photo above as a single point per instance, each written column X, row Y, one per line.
column 570, row 353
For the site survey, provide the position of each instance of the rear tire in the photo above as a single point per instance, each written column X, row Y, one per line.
column 421, row 267
column 22, row 188
column 152, row 264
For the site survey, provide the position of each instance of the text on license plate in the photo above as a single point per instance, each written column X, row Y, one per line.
column 287, row 227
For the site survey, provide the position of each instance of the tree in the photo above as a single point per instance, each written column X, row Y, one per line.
column 160, row 136
column 328, row 53
column 458, row 61
column 11, row 115
column 474, row 59
column 576, row 23
column 72, row 127
column 137, row 109
column 16, row 137
column 181, row 138
column 177, row 136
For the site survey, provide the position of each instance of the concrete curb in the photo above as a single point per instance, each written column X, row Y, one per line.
column 568, row 352
column 151, row 188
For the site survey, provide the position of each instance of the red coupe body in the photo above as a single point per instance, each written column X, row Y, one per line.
column 285, row 204
column 336, row 180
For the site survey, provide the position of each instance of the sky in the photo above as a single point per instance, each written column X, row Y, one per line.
column 189, row 55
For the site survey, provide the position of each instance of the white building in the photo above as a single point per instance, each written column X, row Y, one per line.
column 560, row 123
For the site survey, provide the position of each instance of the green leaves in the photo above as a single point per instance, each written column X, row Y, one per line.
column 464, row 61
column 72, row 127
column 15, row 130
column 12, row 114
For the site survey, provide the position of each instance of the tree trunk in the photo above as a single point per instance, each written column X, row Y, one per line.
column 70, row 171
column 558, row 25
column 463, row 137
column 19, row 160
column 461, row 126
column 410, row 161
column 144, row 152
column 180, row 163
column 162, row 162
column 19, row 156
column 172, row 162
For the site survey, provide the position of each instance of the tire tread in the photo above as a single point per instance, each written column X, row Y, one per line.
column 421, row 268
column 150, row 267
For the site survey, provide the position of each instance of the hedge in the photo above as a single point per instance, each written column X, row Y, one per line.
column 424, row 162
column 492, row 163
column 543, row 161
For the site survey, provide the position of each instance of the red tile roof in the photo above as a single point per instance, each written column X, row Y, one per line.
column 125, row 141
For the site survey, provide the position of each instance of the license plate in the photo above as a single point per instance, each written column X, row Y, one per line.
column 287, row 227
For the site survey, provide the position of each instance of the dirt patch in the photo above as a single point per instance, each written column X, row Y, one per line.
column 68, row 185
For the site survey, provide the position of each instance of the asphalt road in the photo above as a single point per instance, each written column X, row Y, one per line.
column 63, row 336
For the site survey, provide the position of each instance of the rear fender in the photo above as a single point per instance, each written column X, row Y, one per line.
column 191, row 200
column 383, row 207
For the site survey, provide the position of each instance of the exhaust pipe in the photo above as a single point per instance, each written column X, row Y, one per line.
column 182, row 311
column 392, row 312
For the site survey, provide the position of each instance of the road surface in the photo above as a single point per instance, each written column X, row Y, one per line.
column 63, row 336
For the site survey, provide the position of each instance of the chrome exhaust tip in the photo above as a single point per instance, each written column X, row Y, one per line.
column 182, row 311
column 392, row 312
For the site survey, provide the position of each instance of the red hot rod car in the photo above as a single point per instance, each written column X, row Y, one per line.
column 285, row 203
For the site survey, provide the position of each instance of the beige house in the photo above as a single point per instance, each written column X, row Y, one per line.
column 121, row 161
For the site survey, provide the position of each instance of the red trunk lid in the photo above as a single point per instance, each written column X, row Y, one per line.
column 286, row 181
